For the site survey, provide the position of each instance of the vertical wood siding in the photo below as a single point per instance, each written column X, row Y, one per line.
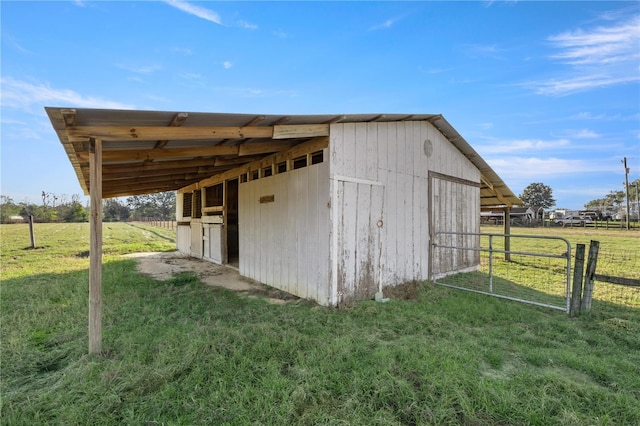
column 451, row 202
column 393, row 154
column 183, row 238
column 285, row 243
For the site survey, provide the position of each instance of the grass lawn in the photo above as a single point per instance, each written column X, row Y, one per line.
column 181, row 352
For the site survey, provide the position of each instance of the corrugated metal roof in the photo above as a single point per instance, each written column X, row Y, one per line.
column 136, row 164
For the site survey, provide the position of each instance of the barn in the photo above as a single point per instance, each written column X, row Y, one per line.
column 327, row 207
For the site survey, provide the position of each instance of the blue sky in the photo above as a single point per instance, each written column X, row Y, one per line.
column 545, row 91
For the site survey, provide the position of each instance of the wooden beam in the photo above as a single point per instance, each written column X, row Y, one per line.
column 157, row 165
column 310, row 146
column 300, row 131
column 95, row 248
column 177, row 121
column 173, row 153
column 262, row 148
column 152, row 133
column 143, row 174
column 497, row 193
column 69, row 117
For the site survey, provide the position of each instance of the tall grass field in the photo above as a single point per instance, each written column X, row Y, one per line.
column 179, row 352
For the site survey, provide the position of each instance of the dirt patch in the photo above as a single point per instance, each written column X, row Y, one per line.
column 406, row 291
column 165, row 265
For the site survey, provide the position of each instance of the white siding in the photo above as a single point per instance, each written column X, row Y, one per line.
column 183, row 238
column 285, row 243
column 393, row 154
column 214, row 247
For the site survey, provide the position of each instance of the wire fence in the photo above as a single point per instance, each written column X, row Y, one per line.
column 622, row 266
column 532, row 269
column 168, row 224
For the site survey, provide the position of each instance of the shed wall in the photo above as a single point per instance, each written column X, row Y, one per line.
column 285, row 243
column 397, row 156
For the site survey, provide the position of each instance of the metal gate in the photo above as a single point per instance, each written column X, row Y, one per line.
column 535, row 270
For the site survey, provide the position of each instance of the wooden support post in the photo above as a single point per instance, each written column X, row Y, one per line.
column 507, row 232
column 95, row 249
column 587, row 293
column 31, row 234
column 576, row 290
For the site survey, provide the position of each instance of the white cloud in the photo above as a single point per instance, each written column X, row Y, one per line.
column 582, row 134
column 280, row 34
column 227, row 65
column 538, row 168
column 23, row 95
column 598, row 57
column 603, row 45
column 190, row 76
column 506, row 146
column 145, row 69
column 247, row 25
column 199, row 11
column 386, row 24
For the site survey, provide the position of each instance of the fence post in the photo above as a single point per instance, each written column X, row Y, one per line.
column 587, row 295
column 31, row 234
column 576, row 291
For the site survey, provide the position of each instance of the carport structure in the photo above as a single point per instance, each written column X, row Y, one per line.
column 120, row 153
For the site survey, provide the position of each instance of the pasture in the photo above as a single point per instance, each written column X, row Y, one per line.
column 182, row 352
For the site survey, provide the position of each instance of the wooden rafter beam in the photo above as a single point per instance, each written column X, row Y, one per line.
column 177, row 121
column 497, row 193
column 154, row 133
column 156, row 154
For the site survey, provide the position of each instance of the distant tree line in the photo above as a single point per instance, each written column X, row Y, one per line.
column 60, row 208
column 615, row 199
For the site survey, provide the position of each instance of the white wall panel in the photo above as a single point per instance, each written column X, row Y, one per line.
column 183, row 238
column 280, row 241
column 393, row 154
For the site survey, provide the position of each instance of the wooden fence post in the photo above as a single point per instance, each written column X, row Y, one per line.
column 576, row 291
column 31, row 234
column 587, row 294
column 95, row 247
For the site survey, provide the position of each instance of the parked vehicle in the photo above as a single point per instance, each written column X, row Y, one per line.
column 574, row 220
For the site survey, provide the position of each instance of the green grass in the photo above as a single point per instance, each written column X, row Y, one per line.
column 181, row 352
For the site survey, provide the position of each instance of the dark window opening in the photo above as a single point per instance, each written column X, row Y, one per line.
column 214, row 195
column 317, row 157
column 267, row 171
column 186, row 204
column 282, row 167
column 255, row 175
column 243, row 177
column 300, row 162
column 197, row 201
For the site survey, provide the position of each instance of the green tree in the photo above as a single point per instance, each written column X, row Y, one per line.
column 114, row 211
column 8, row 208
column 538, row 194
column 615, row 198
column 161, row 205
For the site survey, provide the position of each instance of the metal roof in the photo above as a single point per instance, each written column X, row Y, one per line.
column 155, row 151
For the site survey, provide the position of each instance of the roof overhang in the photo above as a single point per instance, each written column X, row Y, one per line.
column 154, row 151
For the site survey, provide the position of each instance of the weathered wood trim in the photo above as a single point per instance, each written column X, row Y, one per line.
column 300, row 131
column 132, row 155
column 356, row 180
column 152, row 133
column 454, row 179
column 95, row 248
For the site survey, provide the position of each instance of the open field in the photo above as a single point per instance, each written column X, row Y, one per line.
column 181, row 352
